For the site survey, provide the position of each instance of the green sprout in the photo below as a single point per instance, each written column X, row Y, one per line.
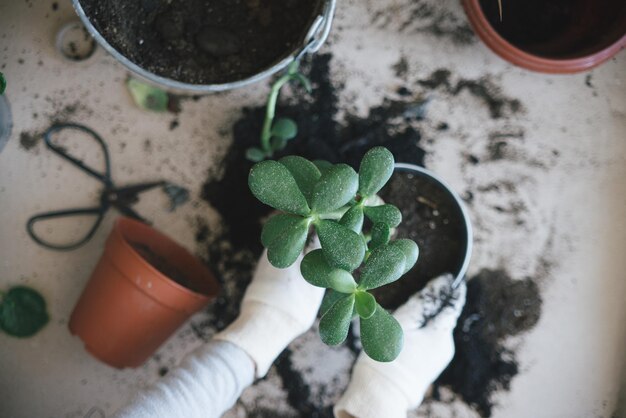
column 276, row 134
column 333, row 201
column 3, row 83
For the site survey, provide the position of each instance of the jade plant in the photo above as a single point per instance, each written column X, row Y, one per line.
column 356, row 256
column 276, row 133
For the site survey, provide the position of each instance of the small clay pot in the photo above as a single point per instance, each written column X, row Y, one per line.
column 581, row 35
column 129, row 307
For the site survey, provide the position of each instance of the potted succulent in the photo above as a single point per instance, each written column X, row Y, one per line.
column 355, row 257
column 552, row 36
column 205, row 46
column 144, row 281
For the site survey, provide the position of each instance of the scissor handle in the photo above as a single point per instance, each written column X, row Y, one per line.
column 30, row 226
column 60, row 151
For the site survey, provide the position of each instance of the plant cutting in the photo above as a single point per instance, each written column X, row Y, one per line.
column 22, row 311
column 356, row 256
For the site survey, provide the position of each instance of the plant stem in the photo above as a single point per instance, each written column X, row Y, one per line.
column 270, row 111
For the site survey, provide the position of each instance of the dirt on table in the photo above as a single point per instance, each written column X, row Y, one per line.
column 200, row 41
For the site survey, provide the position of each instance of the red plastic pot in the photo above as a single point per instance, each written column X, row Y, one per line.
column 596, row 33
column 129, row 307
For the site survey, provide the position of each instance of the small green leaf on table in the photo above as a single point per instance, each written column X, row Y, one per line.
column 147, row 97
column 381, row 336
column 272, row 183
column 335, row 323
column 375, row 170
column 334, row 189
column 343, row 248
column 22, row 312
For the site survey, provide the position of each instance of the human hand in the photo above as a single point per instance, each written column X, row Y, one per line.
column 390, row 389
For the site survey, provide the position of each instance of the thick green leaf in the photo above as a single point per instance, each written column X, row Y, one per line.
column 342, row 281
column 285, row 128
column 330, row 297
column 22, row 312
column 255, row 154
column 386, row 214
column 376, row 169
column 343, row 248
column 380, row 236
column 272, row 183
column 381, row 336
column 385, row 265
column 304, row 172
column 322, row 165
column 315, row 269
column 146, row 96
column 410, row 251
column 335, row 188
column 353, row 219
column 365, row 304
column 335, row 323
column 277, row 225
column 285, row 249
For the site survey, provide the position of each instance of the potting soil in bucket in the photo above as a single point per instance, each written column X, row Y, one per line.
column 203, row 42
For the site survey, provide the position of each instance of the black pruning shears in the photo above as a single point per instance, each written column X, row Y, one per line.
column 121, row 198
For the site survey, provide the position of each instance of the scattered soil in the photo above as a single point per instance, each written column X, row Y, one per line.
column 165, row 267
column 433, row 220
column 203, row 42
column 29, row 140
column 557, row 27
column 497, row 307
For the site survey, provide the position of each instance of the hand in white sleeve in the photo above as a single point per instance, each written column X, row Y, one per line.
column 278, row 306
column 390, row 389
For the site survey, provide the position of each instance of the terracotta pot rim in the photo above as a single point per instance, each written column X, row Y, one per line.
column 120, row 223
column 519, row 57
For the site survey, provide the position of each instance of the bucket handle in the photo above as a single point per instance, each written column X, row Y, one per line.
column 319, row 31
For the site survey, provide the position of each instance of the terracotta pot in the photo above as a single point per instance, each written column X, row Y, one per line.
column 595, row 32
column 129, row 307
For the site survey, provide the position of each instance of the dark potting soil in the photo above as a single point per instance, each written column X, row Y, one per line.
column 556, row 27
column 164, row 267
column 432, row 219
column 200, row 41
column 496, row 308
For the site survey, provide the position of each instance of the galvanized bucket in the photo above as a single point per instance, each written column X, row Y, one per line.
column 313, row 41
column 459, row 275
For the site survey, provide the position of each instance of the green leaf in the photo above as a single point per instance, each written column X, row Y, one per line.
column 315, row 269
column 304, row 81
column 22, row 312
column 3, row 83
column 385, row 265
column 380, row 236
column 322, row 165
column 410, row 251
column 146, row 96
column 381, row 336
column 343, row 248
column 342, row 281
column 335, row 323
column 376, row 169
column 353, row 218
column 330, row 297
column 255, row 154
column 285, row 249
column 276, row 226
column 335, row 188
column 365, row 304
column 277, row 143
column 386, row 214
column 285, row 128
column 304, row 172
column 272, row 183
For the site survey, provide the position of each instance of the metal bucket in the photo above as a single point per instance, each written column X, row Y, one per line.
column 459, row 275
column 313, row 41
